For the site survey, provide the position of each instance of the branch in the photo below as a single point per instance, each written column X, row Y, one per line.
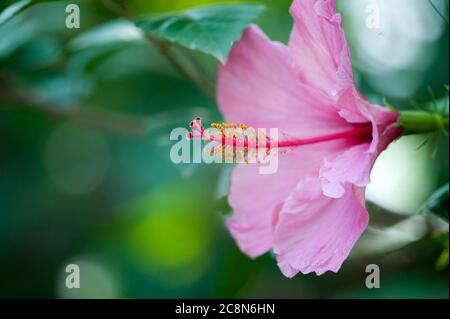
column 165, row 50
column 119, row 8
column 97, row 118
column 437, row 11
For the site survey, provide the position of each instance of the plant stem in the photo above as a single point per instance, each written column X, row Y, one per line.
column 437, row 11
column 422, row 122
column 164, row 48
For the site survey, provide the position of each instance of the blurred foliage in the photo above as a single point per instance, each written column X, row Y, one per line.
column 212, row 30
column 85, row 175
column 438, row 203
column 442, row 262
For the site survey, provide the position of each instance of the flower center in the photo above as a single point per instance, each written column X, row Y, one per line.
column 240, row 139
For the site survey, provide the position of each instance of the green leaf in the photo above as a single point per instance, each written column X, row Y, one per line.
column 212, row 30
column 442, row 238
column 112, row 33
column 17, row 7
column 13, row 10
column 91, row 48
column 443, row 259
column 437, row 203
column 222, row 206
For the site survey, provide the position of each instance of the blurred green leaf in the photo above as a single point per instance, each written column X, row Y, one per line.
column 17, row 7
column 223, row 206
column 443, row 239
column 89, row 60
column 112, row 33
column 96, row 45
column 211, row 30
column 437, row 203
column 13, row 10
column 14, row 36
column 442, row 262
column 58, row 89
column 37, row 54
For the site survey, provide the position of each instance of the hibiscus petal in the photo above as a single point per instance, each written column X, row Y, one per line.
column 354, row 165
column 319, row 49
column 321, row 57
column 309, row 94
column 259, row 87
column 256, row 198
column 314, row 233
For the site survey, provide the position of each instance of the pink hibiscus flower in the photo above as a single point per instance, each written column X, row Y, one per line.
column 312, row 211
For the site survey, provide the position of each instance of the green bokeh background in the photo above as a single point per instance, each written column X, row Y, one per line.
column 138, row 225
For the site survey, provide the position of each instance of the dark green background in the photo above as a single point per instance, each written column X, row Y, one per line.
column 138, row 225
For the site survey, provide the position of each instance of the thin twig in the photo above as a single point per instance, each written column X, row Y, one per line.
column 117, row 8
column 164, row 48
column 438, row 12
